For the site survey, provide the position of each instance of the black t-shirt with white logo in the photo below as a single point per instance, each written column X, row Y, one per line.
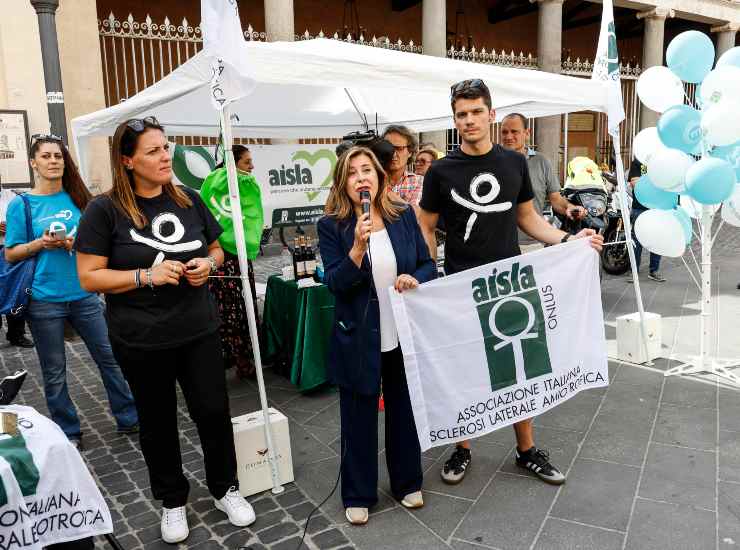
column 478, row 196
column 168, row 315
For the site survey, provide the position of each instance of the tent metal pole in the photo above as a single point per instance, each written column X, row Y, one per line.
column 622, row 190
column 241, row 248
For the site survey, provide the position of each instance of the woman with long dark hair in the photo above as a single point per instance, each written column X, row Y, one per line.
column 363, row 255
column 150, row 247
column 57, row 200
column 226, row 286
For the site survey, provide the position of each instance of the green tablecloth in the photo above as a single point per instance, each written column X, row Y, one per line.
column 297, row 325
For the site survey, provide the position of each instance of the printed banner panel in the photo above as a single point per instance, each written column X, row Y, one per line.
column 294, row 179
column 501, row 343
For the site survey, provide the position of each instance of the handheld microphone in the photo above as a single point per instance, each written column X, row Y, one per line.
column 365, row 201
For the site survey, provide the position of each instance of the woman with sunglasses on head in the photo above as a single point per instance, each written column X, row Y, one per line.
column 150, row 247
column 56, row 201
column 363, row 255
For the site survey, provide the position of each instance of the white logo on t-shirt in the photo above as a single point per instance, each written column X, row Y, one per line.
column 57, row 226
column 481, row 204
column 169, row 243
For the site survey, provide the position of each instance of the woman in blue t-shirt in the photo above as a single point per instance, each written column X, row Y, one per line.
column 56, row 202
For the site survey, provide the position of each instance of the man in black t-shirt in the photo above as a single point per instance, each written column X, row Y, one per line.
column 483, row 191
column 637, row 170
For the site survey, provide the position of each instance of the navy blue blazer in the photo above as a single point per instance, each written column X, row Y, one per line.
column 354, row 351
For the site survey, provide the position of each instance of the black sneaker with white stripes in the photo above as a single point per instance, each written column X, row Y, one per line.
column 453, row 471
column 537, row 461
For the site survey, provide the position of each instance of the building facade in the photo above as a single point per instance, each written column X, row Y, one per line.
column 110, row 49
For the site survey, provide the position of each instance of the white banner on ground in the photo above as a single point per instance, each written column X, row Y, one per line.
column 47, row 496
column 501, row 343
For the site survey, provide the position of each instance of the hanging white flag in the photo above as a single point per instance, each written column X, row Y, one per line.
column 223, row 41
column 606, row 67
column 503, row 342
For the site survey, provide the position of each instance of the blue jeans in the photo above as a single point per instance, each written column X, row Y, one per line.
column 654, row 258
column 46, row 320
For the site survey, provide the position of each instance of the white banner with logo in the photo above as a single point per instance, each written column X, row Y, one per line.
column 294, row 179
column 501, row 343
column 47, row 496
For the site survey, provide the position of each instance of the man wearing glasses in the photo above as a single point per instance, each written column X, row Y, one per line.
column 483, row 192
column 406, row 184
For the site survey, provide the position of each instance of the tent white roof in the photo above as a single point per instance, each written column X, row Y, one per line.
column 315, row 88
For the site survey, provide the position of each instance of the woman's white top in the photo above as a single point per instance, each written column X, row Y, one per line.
column 385, row 272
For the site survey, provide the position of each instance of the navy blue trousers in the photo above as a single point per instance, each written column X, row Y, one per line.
column 359, row 414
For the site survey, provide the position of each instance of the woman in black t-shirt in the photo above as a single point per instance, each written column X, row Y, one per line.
column 150, row 246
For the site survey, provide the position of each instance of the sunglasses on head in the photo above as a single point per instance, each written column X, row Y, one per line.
column 472, row 84
column 45, row 137
column 140, row 124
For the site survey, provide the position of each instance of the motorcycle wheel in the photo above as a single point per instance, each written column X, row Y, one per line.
column 614, row 258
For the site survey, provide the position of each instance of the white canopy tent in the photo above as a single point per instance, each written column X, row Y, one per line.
column 327, row 88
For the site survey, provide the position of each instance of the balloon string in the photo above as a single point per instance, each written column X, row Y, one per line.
column 691, row 273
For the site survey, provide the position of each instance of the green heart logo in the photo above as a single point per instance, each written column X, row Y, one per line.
column 311, row 159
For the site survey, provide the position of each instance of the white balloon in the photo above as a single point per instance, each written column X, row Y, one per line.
column 693, row 208
column 660, row 231
column 659, row 89
column 667, row 169
column 721, row 83
column 720, row 123
column 731, row 208
column 646, row 143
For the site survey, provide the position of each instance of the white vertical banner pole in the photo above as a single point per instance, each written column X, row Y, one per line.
column 626, row 220
column 241, row 248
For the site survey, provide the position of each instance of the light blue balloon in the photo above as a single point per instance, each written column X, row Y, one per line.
column 690, row 56
column 710, row 180
column 730, row 153
column 680, row 128
column 730, row 57
column 685, row 220
column 652, row 196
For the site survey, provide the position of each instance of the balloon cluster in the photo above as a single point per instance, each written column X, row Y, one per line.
column 692, row 154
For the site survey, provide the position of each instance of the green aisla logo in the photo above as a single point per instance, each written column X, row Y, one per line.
column 16, row 454
column 301, row 175
column 513, row 325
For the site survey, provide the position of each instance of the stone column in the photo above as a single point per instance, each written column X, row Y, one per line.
column 653, row 44
column 725, row 37
column 280, row 26
column 434, row 42
column 279, row 20
column 46, row 11
column 549, row 48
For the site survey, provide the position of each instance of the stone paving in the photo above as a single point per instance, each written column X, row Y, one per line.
column 652, row 462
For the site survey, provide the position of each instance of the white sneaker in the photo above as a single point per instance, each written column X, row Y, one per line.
column 234, row 505
column 174, row 525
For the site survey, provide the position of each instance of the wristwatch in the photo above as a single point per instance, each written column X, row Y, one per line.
column 565, row 238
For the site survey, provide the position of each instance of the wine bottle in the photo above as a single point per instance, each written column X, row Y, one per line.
column 295, row 258
column 310, row 259
column 301, row 259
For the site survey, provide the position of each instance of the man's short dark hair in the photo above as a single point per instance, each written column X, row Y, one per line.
column 471, row 89
column 520, row 116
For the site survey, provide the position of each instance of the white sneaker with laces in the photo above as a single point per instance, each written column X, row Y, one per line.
column 174, row 525
column 234, row 505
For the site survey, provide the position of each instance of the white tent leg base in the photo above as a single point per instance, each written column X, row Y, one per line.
column 710, row 365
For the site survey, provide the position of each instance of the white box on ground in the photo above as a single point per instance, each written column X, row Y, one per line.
column 253, row 466
column 629, row 337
